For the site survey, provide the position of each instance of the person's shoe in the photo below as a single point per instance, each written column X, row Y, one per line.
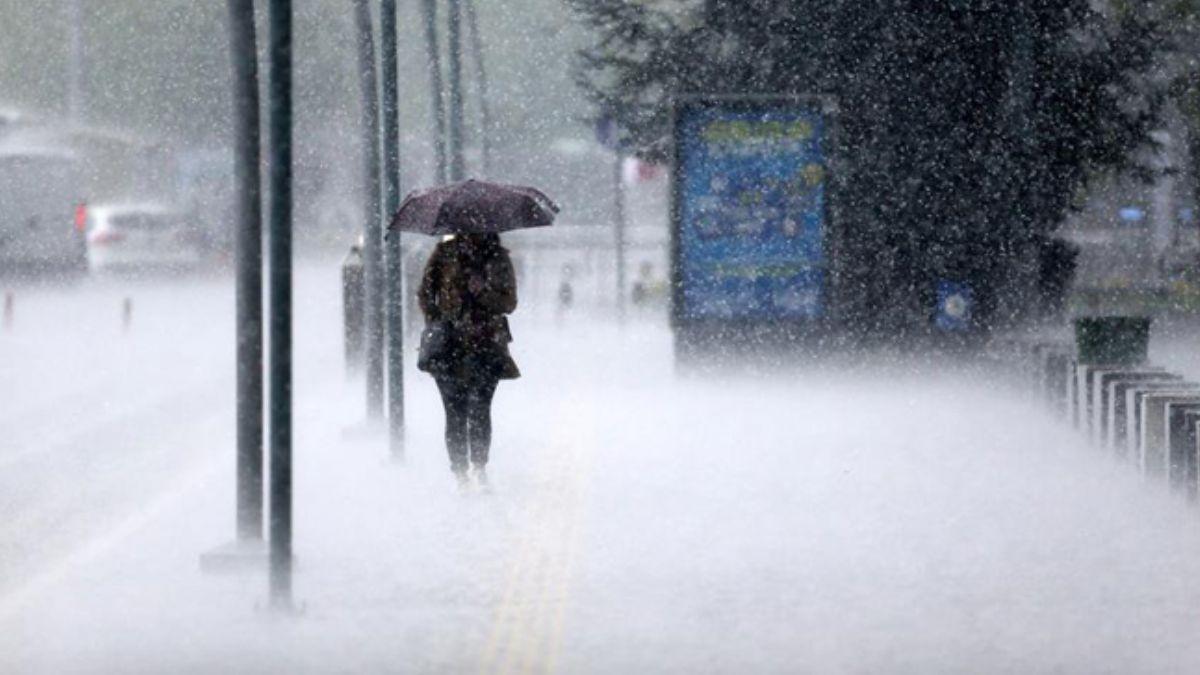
column 463, row 479
column 481, row 479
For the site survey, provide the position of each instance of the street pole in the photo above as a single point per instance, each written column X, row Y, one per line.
column 372, row 239
column 280, row 153
column 1023, row 275
column 619, row 233
column 429, row 12
column 454, row 36
column 247, row 177
column 393, row 252
column 75, row 62
column 485, row 105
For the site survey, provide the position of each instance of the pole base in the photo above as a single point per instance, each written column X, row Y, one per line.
column 242, row 555
column 281, row 607
column 367, row 430
column 396, row 446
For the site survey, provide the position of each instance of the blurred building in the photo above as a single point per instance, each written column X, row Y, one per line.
column 1139, row 236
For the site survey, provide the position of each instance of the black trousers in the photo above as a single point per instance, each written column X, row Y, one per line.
column 468, row 404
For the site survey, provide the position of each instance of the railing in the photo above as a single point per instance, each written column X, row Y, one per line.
column 1142, row 415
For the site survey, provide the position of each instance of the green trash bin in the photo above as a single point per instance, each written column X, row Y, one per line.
column 1112, row 340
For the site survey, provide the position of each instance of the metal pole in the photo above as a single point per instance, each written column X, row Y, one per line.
column 454, row 37
column 429, row 10
column 75, row 63
column 485, row 104
column 280, row 150
column 372, row 240
column 1022, row 274
column 392, row 251
column 249, row 338
column 395, row 346
column 619, row 234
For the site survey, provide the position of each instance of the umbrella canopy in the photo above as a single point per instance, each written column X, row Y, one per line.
column 473, row 207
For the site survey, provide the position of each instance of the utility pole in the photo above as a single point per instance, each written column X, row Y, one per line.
column 485, row 104
column 609, row 136
column 75, row 62
column 429, row 11
column 454, row 36
column 247, row 549
column 619, row 232
column 1025, row 254
column 249, row 254
column 393, row 252
column 372, row 235
column 280, row 153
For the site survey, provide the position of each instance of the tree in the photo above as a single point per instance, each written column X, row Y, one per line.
column 966, row 128
column 1182, row 67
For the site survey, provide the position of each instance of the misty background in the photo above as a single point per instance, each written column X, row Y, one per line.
column 160, row 71
column 915, row 507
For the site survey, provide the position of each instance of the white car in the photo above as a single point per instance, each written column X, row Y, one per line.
column 140, row 237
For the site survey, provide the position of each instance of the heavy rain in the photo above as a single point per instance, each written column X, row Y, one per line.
column 599, row 336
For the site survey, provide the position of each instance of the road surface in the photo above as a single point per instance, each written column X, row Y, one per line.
column 863, row 517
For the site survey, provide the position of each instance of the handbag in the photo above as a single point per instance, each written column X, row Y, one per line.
column 437, row 345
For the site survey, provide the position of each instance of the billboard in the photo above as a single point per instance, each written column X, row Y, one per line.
column 750, row 209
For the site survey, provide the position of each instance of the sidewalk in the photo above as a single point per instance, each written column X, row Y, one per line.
column 643, row 523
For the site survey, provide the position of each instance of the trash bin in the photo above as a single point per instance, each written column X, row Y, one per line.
column 1112, row 340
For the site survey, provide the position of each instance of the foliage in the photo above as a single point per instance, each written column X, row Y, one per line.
column 966, row 128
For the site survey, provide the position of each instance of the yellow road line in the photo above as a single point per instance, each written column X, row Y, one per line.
column 527, row 631
column 574, row 539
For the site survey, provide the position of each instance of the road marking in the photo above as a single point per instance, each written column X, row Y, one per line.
column 75, row 437
column 528, row 625
column 98, row 546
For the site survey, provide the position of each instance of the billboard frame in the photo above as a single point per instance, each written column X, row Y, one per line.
column 690, row 332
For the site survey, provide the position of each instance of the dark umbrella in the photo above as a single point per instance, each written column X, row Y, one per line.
column 473, row 207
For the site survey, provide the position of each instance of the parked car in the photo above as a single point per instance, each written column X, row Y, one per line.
column 141, row 238
column 41, row 231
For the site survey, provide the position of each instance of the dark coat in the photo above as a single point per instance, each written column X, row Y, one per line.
column 472, row 291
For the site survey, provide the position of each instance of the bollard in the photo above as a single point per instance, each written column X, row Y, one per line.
column 1187, row 443
column 353, row 308
column 1084, row 372
column 1112, row 426
column 1180, row 428
column 1050, row 360
column 1193, row 488
column 1031, row 360
column 1058, row 380
column 1134, row 398
column 1041, row 353
column 126, row 314
column 1153, row 457
column 1073, row 392
column 9, row 303
column 1089, row 379
column 1098, row 396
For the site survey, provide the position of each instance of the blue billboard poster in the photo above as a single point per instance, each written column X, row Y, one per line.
column 750, row 196
column 954, row 304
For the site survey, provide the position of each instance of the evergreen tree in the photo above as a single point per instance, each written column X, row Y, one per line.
column 966, row 130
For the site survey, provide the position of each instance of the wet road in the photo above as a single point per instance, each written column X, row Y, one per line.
column 875, row 518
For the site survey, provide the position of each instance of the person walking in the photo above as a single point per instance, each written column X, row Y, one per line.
column 467, row 290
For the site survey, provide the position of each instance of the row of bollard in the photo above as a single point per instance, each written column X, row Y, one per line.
column 1143, row 415
column 10, row 312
